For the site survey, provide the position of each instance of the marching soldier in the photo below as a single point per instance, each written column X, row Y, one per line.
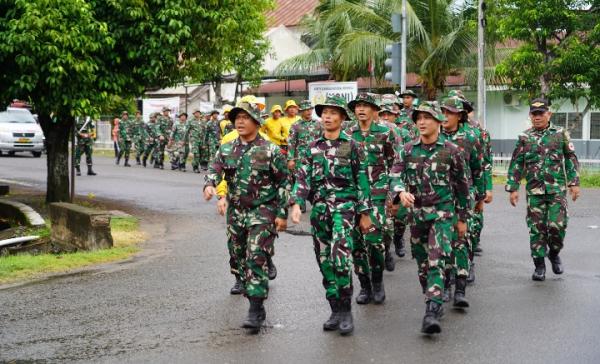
column 301, row 134
column 408, row 100
column 86, row 134
column 256, row 204
column 138, row 138
column 430, row 179
column 196, row 133
column 333, row 176
column 213, row 134
column 125, row 138
column 150, row 139
column 178, row 143
column 163, row 130
column 545, row 157
column 377, row 142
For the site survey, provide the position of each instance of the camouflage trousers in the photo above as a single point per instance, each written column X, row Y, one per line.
column 249, row 248
column 332, row 238
column 139, row 148
column 369, row 248
column 179, row 156
column 124, row 148
column 459, row 262
column 159, row 152
column 149, row 149
column 475, row 229
column 547, row 218
column 431, row 246
column 198, row 158
column 400, row 220
column 86, row 147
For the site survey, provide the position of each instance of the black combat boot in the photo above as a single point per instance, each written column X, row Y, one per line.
column 390, row 264
column 478, row 249
column 195, row 170
column 423, row 283
column 556, row 263
column 378, row 289
column 399, row 242
column 78, row 171
column 431, row 322
column 137, row 160
column 459, row 293
column 126, row 164
column 471, row 277
column 238, row 286
column 346, row 320
column 365, row 295
column 333, row 323
column 256, row 315
column 182, row 167
column 272, row 269
column 119, row 158
column 157, row 165
column 90, row 170
column 539, row 274
column 144, row 160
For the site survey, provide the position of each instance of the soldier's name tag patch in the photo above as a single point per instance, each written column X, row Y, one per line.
column 343, row 150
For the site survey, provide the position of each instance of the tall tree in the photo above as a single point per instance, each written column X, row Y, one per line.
column 346, row 35
column 69, row 57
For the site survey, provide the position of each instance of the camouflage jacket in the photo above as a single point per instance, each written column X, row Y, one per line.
column 436, row 175
column 469, row 144
column 149, row 132
column 85, row 134
column 196, row 131
column 333, row 172
column 378, row 146
column 256, row 176
column 301, row 134
column 179, row 133
column 213, row 132
column 488, row 159
column 137, row 126
column 125, row 130
column 546, row 159
column 163, row 126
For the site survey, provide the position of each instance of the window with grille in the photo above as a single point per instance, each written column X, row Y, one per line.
column 571, row 121
column 595, row 125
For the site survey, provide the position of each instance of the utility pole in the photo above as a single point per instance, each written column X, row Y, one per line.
column 481, row 97
column 403, row 51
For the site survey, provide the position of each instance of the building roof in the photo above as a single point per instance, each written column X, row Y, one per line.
column 290, row 12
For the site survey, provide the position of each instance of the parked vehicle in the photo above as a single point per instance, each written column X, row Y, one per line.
column 19, row 132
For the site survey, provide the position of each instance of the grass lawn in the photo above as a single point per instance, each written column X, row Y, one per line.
column 126, row 234
column 587, row 179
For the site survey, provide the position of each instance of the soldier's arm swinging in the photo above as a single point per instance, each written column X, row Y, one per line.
column 302, row 186
column 515, row 171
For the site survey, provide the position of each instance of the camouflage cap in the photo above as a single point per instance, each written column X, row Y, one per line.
column 430, row 107
column 253, row 109
column 124, row 112
column 166, row 108
column 453, row 104
column 388, row 108
column 408, row 93
column 305, row 105
column 391, row 99
column 467, row 106
column 366, row 97
column 333, row 101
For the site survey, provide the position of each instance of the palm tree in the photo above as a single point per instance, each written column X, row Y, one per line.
column 346, row 35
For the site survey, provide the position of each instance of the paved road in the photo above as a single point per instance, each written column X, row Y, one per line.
column 176, row 307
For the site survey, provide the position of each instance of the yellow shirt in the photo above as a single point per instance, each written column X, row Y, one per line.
column 287, row 123
column 275, row 131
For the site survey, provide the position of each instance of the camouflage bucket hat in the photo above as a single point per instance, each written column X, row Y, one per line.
column 388, row 108
column 453, row 104
column 408, row 93
column 333, row 101
column 305, row 105
column 253, row 109
column 366, row 97
column 390, row 99
column 430, row 107
column 467, row 106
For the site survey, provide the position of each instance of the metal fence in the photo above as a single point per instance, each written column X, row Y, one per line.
column 501, row 164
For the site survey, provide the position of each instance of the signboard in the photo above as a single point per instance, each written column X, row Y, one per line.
column 318, row 91
column 150, row 106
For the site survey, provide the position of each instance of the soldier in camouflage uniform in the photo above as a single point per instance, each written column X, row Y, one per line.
column 163, row 131
column 179, row 143
column 302, row 133
column 257, row 197
column 377, row 142
column 333, row 177
column 196, row 133
column 125, row 138
column 545, row 157
column 213, row 134
column 86, row 134
column 476, row 221
column 137, row 126
column 408, row 100
column 429, row 177
column 150, row 139
column 457, row 130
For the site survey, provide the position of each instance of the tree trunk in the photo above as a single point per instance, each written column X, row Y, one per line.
column 57, row 144
column 218, row 97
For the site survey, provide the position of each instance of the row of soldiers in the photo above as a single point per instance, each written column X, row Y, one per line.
column 199, row 135
column 368, row 169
